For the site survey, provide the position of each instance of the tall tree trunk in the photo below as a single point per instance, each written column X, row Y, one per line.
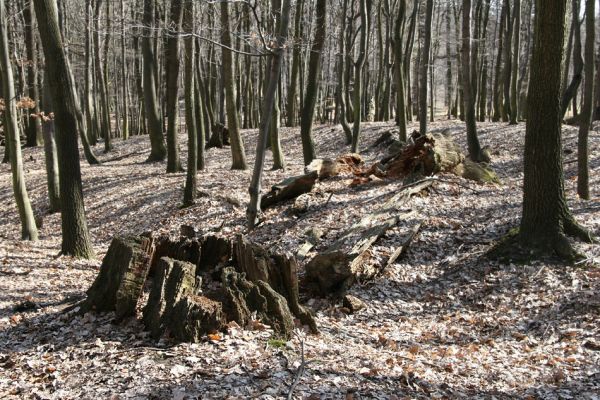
column 583, row 185
column 472, row 140
column 399, row 54
column 237, row 145
column 34, row 124
column 358, row 70
column 124, row 82
column 514, row 95
column 423, row 65
column 102, row 84
column 75, row 235
column 50, row 152
column 546, row 217
column 158, row 151
column 28, row 227
column 189, row 192
column 267, row 108
column 341, row 71
column 296, row 59
column 496, row 95
column 312, row 84
column 172, row 72
column 571, row 91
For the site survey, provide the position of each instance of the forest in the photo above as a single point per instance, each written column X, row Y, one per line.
column 277, row 199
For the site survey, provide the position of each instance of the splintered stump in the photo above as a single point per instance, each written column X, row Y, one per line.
column 243, row 298
column 195, row 316
column 121, row 279
column 288, row 189
column 277, row 271
column 346, row 260
column 174, row 280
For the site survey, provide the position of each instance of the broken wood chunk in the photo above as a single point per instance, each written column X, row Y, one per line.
column 243, row 298
column 345, row 261
column 288, row 189
column 174, row 280
column 324, row 167
column 278, row 271
column 215, row 250
column 195, row 316
column 121, row 278
column 352, row 303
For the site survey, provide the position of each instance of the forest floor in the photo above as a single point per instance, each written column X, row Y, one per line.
column 442, row 322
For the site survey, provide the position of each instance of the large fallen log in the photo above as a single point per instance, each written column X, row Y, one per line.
column 121, row 279
column 288, row 189
column 345, row 261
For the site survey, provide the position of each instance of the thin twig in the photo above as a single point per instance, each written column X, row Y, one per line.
column 299, row 371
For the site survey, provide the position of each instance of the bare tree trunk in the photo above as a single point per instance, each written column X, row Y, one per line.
column 172, row 73
column 237, row 145
column 75, row 235
column 28, row 227
column 514, row 95
column 423, row 65
column 158, row 151
column 358, row 70
column 267, row 108
column 399, row 54
column 189, row 192
column 583, row 185
column 571, row 91
column 312, row 85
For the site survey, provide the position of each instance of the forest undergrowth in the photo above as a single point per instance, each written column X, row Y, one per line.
column 441, row 322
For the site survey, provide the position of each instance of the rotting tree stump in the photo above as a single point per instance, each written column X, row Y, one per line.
column 119, row 284
column 279, row 271
column 173, row 281
column 343, row 263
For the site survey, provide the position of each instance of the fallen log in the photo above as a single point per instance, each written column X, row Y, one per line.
column 345, row 261
column 288, row 189
column 121, row 278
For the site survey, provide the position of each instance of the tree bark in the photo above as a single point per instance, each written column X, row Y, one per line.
column 585, row 120
column 423, row 66
column 75, row 235
column 11, row 128
column 172, row 77
column 312, row 85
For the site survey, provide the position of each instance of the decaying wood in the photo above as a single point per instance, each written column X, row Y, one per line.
column 345, row 261
column 243, row 298
column 195, row 316
column 313, row 235
column 174, row 280
column 121, row 279
column 288, row 189
column 278, row 271
column 428, row 155
column 215, row 250
column 324, row 167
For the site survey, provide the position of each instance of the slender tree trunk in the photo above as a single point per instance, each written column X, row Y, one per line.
column 158, row 151
column 312, row 85
column 583, row 185
column 34, row 126
column 269, row 99
column 75, row 235
column 172, row 72
column 189, row 192
column 514, row 95
column 472, row 140
column 237, row 145
column 423, row 65
column 498, row 69
column 28, row 227
column 358, row 70
column 341, row 71
column 571, row 91
column 124, row 82
column 291, row 97
column 398, row 46
column 50, row 153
